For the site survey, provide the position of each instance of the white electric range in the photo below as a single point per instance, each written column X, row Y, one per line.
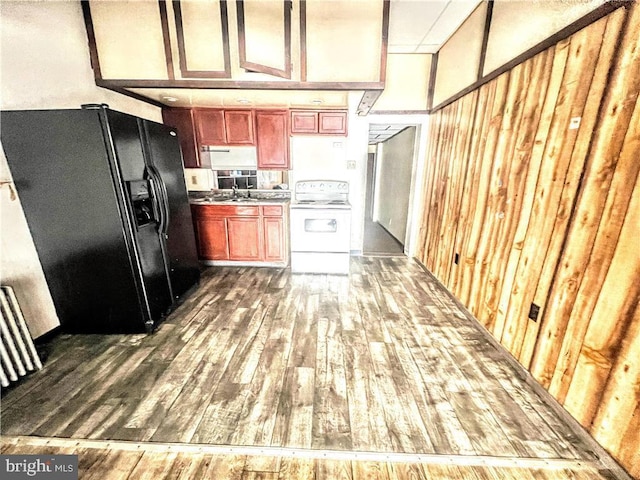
column 320, row 219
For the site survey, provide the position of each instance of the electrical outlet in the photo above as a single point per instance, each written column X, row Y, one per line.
column 351, row 164
column 456, row 258
column 533, row 312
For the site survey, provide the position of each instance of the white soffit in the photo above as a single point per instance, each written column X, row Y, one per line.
column 423, row 26
column 246, row 98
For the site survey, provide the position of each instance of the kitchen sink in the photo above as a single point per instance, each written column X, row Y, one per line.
column 243, row 199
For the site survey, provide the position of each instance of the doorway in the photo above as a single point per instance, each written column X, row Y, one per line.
column 388, row 186
column 377, row 241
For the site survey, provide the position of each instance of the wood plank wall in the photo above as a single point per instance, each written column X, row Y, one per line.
column 539, row 212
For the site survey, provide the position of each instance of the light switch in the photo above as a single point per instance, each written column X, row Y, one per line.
column 574, row 123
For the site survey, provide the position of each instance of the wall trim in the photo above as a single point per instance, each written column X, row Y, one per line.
column 242, row 44
column 164, row 20
column 91, row 37
column 485, row 38
column 137, row 96
column 182, row 55
column 386, row 6
column 234, row 84
column 303, row 40
column 399, row 112
column 432, row 81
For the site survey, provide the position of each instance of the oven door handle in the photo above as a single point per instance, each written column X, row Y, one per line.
column 320, row 225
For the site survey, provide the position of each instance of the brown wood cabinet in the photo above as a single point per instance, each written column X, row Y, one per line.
column 327, row 122
column 182, row 120
column 211, row 234
column 224, row 127
column 244, row 234
column 304, row 122
column 245, row 238
column 276, row 238
column 272, row 139
column 332, row 123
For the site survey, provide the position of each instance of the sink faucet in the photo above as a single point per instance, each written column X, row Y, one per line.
column 235, row 191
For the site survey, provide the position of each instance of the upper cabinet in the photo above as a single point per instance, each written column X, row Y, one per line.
column 273, row 139
column 332, row 123
column 224, row 127
column 328, row 122
column 182, row 120
column 304, row 122
column 272, row 44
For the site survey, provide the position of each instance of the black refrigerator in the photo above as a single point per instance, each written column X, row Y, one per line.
column 105, row 200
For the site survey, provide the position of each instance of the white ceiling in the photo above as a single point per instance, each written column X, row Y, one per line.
column 423, row 26
column 420, row 26
column 380, row 133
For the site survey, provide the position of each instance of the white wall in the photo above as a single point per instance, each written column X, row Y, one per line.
column 316, row 157
column 407, row 82
column 395, row 163
column 44, row 64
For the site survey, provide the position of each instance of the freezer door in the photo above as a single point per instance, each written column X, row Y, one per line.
column 148, row 254
column 165, row 158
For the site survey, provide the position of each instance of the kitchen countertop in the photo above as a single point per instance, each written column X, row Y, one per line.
column 258, row 197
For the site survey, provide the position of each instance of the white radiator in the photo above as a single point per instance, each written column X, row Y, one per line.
column 17, row 352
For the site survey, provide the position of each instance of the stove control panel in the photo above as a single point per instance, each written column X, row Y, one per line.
column 328, row 187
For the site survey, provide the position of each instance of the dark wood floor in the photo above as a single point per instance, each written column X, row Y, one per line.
column 381, row 360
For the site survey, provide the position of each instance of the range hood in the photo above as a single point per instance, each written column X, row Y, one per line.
column 229, row 158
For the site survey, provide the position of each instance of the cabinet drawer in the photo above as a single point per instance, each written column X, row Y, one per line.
column 272, row 210
column 227, row 210
column 333, row 123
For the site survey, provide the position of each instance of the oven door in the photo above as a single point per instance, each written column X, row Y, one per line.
column 320, row 230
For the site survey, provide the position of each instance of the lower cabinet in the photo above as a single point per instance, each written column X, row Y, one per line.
column 245, row 234
column 245, row 238
column 211, row 235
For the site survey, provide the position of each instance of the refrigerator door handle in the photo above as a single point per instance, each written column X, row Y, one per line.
column 164, row 199
column 157, row 201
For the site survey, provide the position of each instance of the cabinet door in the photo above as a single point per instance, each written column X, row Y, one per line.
column 272, row 139
column 304, row 122
column 245, row 238
column 239, row 127
column 333, row 123
column 182, row 120
column 274, row 239
column 211, row 234
column 210, row 127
